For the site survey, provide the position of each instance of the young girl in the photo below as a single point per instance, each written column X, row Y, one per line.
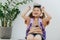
column 36, row 23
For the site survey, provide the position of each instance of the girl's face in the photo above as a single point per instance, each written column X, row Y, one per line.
column 36, row 12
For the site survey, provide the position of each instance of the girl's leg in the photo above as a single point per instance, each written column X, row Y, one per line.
column 30, row 37
column 38, row 37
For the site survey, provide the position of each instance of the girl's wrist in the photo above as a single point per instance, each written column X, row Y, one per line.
column 43, row 11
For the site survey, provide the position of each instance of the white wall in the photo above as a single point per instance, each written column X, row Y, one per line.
column 53, row 30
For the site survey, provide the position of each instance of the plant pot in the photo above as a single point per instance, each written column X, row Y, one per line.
column 5, row 32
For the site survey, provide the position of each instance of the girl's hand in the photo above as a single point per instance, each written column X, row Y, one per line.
column 42, row 9
column 29, row 7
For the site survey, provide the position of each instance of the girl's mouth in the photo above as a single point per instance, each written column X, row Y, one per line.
column 36, row 13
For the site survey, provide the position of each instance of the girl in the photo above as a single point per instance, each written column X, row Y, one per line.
column 36, row 23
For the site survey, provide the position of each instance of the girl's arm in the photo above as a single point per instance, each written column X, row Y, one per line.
column 47, row 18
column 26, row 18
column 25, row 12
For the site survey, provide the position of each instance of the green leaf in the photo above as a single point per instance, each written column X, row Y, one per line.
column 8, row 1
column 1, row 14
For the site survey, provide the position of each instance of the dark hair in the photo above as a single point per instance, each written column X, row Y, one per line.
column 38, row 6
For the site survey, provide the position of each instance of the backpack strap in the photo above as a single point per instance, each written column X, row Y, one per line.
column 28, row 29
column 40, row 23
column 43, row 29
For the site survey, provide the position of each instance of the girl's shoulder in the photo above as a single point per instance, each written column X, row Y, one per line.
column 40, row 20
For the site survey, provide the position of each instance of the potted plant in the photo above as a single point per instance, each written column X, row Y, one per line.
column 8, row 13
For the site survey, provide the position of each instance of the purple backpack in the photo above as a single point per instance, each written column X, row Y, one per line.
column 41, row 26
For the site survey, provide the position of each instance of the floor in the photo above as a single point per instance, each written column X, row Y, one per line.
column 11, row 39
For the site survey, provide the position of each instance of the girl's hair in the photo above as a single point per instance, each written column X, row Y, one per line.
column 38, row 6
